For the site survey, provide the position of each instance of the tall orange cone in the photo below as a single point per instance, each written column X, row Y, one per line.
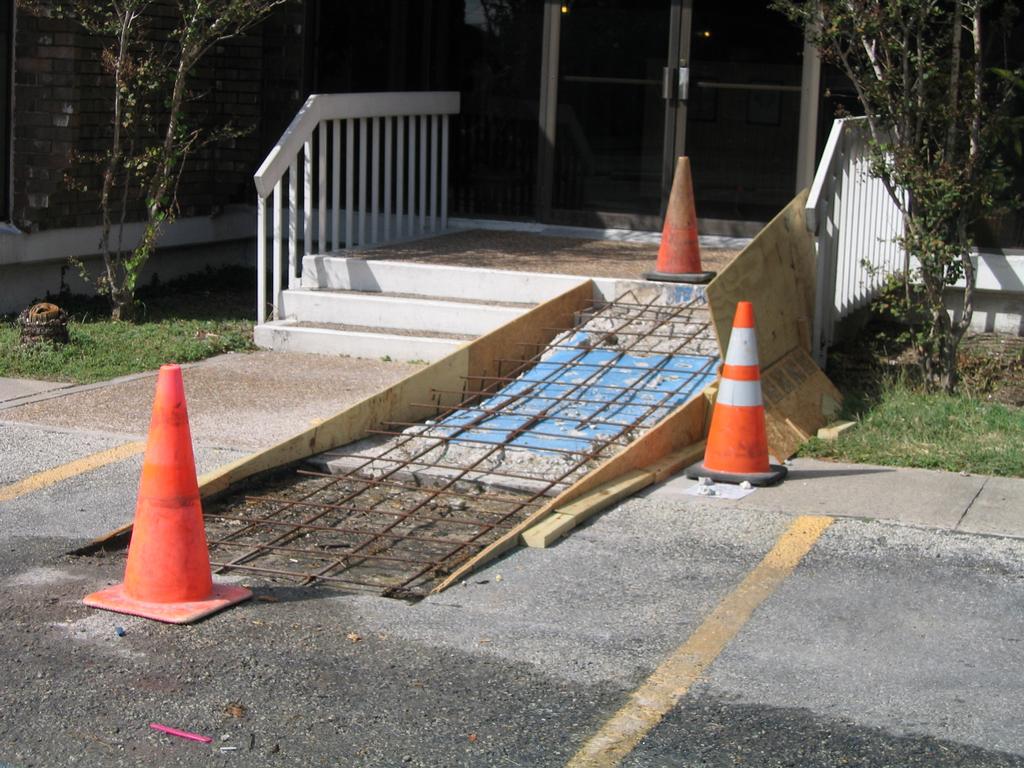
column 679, row 253
column 737, row 448
column 168, row 573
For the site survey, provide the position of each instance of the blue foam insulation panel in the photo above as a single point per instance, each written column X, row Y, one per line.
column 573, row 386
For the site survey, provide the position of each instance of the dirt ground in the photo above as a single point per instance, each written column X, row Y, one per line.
column 528, row 252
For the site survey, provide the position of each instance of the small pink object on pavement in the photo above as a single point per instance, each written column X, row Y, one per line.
column 181, row 734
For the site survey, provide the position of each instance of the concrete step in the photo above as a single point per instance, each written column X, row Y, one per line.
column 328, row 339
column 438, row 281
column 432, row 280
column 389, row 312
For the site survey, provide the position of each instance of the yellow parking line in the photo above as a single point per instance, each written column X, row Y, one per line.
column 649, row 703
column 85, row 464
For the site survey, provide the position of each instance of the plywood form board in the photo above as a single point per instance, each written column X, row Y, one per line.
column 680, row 429
column 799, row 400
column 353, row 423
column 776, row 273
column 524, row 336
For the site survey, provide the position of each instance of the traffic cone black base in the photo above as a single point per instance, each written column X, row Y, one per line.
column 684, row 277
column 776, row 474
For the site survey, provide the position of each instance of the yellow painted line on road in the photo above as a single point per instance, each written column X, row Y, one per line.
column 88, row 463
column 649, row 703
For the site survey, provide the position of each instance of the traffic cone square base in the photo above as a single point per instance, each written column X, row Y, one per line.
column 116, row 599
column 776, row 473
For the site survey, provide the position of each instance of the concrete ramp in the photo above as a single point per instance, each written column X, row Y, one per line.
column 417, row 503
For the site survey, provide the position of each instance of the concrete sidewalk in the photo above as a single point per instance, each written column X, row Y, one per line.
column 918, row 497
column 241, row 401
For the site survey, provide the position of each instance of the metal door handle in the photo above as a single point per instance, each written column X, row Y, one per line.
column 667, row 83
column 684, row 83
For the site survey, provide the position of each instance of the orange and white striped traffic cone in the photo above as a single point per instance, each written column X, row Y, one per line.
column 679, row 252
column 737, row 448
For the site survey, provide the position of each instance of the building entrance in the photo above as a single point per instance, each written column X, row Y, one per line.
column 574, row 111
column 641, row 81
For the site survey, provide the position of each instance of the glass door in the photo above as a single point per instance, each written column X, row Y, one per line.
column 740, row 118
column 614, row 124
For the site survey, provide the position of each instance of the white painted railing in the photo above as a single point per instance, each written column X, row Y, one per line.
column 391, row 152
column 856, row 224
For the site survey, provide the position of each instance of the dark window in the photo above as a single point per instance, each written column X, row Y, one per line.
column 6, row 45
column 489, row 50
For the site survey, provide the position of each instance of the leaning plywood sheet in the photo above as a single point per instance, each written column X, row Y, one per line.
column 798, row 400
column 776, row 273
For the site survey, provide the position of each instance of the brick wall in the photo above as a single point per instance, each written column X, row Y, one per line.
column 63, row 103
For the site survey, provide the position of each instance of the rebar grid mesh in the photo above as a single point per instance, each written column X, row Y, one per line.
column 407, row 507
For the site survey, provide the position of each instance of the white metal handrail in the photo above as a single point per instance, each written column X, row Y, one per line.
column 391, row 149
column 856, row 224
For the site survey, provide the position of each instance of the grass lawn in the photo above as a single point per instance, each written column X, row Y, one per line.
column 980, row 430
column 181, row 321
column 907, row 428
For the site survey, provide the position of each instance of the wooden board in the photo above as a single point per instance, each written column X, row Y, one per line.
column 564, row 519
column 776, row 273
column 835, row 429
column 798, row 399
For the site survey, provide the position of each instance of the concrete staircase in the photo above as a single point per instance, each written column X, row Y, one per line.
column 399, row 310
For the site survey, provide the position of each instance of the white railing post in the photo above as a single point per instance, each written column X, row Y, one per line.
column 433, row 171
column 261, row 260
column 444, row 172
column 362, row 180
column 321, row 208
column 336, row 184
column 307, row 195
column 375, row 179
column 400, row 177
column 293, row 222
column 423, row 173
column 856, row 225
column 388, row 201
column 398, row 184
column 350, row 148
column 276, row 201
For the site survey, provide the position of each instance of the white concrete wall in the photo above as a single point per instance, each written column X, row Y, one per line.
column 22, row 284
column 34, row 264
column 999, row 294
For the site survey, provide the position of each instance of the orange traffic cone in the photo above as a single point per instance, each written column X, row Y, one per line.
column 679, row 253
column 168, row 573
column 737, row 448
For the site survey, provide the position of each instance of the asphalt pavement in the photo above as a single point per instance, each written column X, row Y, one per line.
column 893, row 638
